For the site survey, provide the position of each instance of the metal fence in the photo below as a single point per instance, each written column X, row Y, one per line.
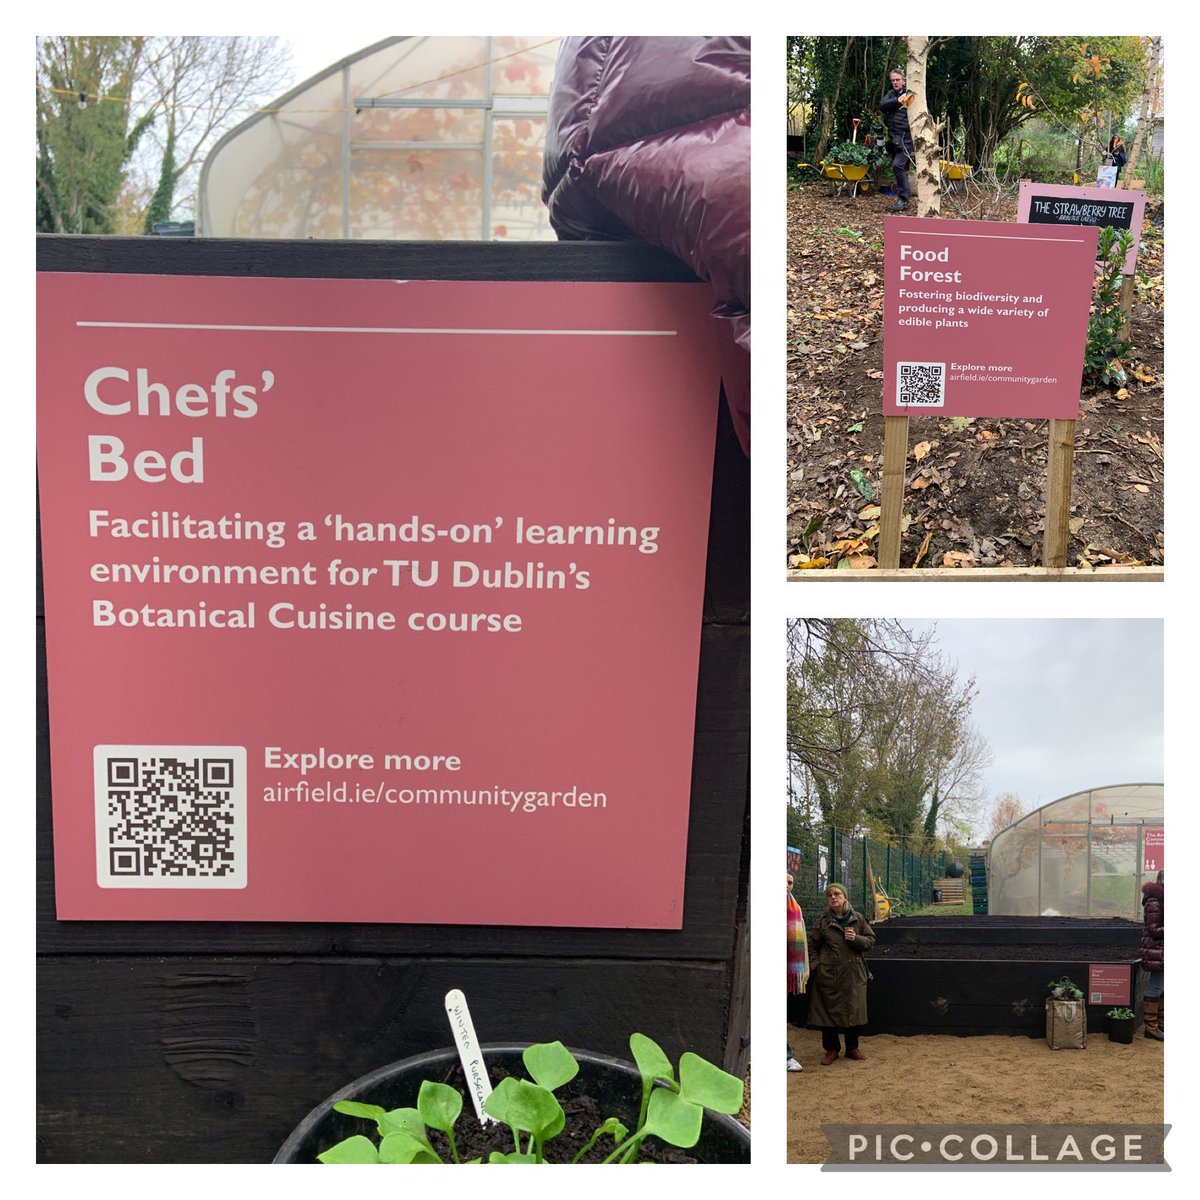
column 823, row 855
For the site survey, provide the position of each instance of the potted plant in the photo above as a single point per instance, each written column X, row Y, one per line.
column 1066, row 1016
column 1121, row 1022
column 848, row 161
column 549, row 1105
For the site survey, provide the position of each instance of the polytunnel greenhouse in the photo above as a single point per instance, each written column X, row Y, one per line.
column 424, row 138
column 1085, row 855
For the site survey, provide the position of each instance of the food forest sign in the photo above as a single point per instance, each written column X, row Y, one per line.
column 984, row 319
column 373, row 600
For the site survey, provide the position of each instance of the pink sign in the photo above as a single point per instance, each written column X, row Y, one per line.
column 1109, row 983
column 373, row 600
column 1152, row 849
column 1059, row 205
column 983, row 319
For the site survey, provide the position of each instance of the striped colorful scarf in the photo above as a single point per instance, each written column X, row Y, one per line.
column 797, row 947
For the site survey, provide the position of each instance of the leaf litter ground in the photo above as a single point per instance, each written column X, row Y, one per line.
column 974, row 489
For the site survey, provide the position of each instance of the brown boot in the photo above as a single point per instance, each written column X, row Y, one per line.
column 1151, row 1018
column 830, row 1058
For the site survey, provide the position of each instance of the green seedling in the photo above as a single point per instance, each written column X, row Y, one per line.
column 1064, row 989
column 439, row 1106
column 672, row 1110
column 1120, row 1014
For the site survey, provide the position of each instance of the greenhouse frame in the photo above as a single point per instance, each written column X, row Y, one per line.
column 414, row 138
column 1083, row 855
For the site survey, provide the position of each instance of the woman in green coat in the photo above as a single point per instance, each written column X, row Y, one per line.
column 837, row 988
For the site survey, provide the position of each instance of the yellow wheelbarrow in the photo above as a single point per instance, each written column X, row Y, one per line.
column 955, row 172
column 846, row 173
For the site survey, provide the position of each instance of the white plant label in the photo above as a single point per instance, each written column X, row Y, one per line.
column 479, row 1086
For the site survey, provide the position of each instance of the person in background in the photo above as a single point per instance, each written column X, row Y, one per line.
column 648, row 139
column 1117, row 153
column 900, row 145
column 1152, row 956
column 838, row 987
column 797, row 958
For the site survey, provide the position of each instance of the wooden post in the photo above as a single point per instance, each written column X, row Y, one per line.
column 895, row 460
column 1126, row 300
column 1061, row 456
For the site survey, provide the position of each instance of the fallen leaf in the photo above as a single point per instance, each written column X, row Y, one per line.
column 1122, row 393
column 958, row 558
column 987, row 435
column 921, row 481
column 921, row 449
column 862, row 483
column 814, row 563
column 874, row 374
column 870, row 513
column 859, row 561
column 924, row 547
column 1141, row 487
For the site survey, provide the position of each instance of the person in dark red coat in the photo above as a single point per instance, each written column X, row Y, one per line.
column 648, row 138
column 1152, row 955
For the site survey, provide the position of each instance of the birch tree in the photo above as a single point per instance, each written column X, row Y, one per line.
column 924, row 129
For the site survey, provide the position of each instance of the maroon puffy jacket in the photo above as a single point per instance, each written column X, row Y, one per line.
column 648, row 138
column 1152, row 926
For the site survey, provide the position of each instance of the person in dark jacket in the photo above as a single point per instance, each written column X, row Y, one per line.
column 900, row 144
column 648, row 138
column 837, row 987
column 1118, row 155
column 1152, row 956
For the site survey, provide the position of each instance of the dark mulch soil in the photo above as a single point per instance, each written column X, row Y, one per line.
column 479, row 1141
column 974, row 492
column 583, row 1116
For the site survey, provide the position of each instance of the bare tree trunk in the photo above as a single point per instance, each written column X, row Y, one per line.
column 1149, row 91
column 924, row 130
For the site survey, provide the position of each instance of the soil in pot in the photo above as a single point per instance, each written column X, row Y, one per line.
column 583, row 1115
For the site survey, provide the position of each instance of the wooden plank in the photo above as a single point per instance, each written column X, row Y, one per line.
column 1061, row 456
column 895, row 460
column 1130, row 574
column 541, row 261
column 215, row 1060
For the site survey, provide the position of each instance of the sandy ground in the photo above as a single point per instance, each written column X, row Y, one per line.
column 943, row 1080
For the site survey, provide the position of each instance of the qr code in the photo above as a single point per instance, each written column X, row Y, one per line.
column 920, row 385
column 1096, row 998
column 170, row 816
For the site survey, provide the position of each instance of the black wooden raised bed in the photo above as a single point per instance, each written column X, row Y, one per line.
column 986, row 974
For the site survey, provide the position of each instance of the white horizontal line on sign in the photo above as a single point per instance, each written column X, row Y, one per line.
column 997, row 237
column 373, row 329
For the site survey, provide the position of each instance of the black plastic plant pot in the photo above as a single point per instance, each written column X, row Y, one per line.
column 1120, row 1029
column 616, row 1087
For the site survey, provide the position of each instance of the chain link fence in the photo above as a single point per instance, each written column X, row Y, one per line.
column 822, row 855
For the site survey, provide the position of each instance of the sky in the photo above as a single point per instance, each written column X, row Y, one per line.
column 1065, row 704
column 313, row 52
